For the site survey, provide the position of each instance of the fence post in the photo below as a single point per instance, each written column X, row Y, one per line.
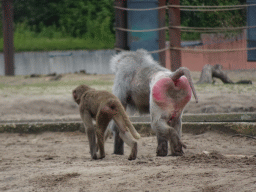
column 174, row 34
column 251, row 21
column 161, row 20
column 121, row 21
column 7, row 9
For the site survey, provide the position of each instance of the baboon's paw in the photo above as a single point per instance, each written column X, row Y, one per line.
column 134, row 151
column 162, row 149
column 178, row 148
column 178, row 153
column 94, row 157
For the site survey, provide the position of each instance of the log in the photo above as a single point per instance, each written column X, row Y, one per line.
column 218, row 73
column 209, row 72
column 230, row 156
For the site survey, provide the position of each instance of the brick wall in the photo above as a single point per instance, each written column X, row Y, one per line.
column 236, row 60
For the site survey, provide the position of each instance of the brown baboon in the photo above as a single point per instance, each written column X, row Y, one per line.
column 103, row 106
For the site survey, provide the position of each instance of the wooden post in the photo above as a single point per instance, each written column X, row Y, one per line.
column 121, row 21
column 7, row 9
column 161, row 21
column 174, row 34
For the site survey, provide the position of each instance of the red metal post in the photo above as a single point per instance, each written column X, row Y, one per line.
column 174, row 34
column 162, row 39
column 7, row 9
column 121, row 21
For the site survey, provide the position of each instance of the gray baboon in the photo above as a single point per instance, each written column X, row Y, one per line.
column 143, row 85
column 103, row 106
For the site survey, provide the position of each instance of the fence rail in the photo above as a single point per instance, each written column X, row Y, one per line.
column 193, row 29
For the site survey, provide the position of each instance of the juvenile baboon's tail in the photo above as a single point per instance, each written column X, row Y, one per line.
column 122, row 120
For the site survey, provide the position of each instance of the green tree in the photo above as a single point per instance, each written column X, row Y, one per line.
column 74, row 17
column 232, row 18
column 35, row 12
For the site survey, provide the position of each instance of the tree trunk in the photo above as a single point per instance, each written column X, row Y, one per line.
column 210, row 71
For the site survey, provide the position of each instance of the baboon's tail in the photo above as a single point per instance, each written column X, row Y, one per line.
column 122, row 120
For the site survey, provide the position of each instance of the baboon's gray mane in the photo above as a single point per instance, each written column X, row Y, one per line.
column 139, row 57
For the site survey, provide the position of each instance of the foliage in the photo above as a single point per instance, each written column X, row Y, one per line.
column 63, row 24
column 232, row 18
column 89, row 24
column 72, row 17
column 36, row 12
column 50, row 39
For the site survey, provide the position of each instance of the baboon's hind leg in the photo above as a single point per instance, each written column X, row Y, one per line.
column 128, row 139
column 102, row 120
column 162, row 146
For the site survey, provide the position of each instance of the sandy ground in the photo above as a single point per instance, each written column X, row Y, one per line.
column 61, row 161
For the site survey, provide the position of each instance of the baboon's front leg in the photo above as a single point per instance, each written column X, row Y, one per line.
column 118, row 142
column 92, row 142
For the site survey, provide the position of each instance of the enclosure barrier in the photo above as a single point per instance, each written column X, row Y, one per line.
column 236, row 124
column 192, row 29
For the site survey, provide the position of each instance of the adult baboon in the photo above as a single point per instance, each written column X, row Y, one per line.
column 142, row 84
column 103, row 106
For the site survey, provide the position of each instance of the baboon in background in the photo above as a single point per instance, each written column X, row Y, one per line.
column 143, row 85
column 103, row 106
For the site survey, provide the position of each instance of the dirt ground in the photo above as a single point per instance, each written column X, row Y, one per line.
column 61, row 161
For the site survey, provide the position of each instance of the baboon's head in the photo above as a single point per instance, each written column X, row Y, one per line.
column 78, row 92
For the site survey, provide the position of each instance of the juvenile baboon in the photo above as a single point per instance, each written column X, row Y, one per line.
column 103, row 106
column 143, row 85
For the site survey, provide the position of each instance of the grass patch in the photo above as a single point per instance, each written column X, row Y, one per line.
column 51, row 39
column 46, row 44
column 57, row 84
column 25, row 85
column 22, row 85
column 226, row 88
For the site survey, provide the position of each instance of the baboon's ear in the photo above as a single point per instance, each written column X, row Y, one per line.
column 74, row 94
